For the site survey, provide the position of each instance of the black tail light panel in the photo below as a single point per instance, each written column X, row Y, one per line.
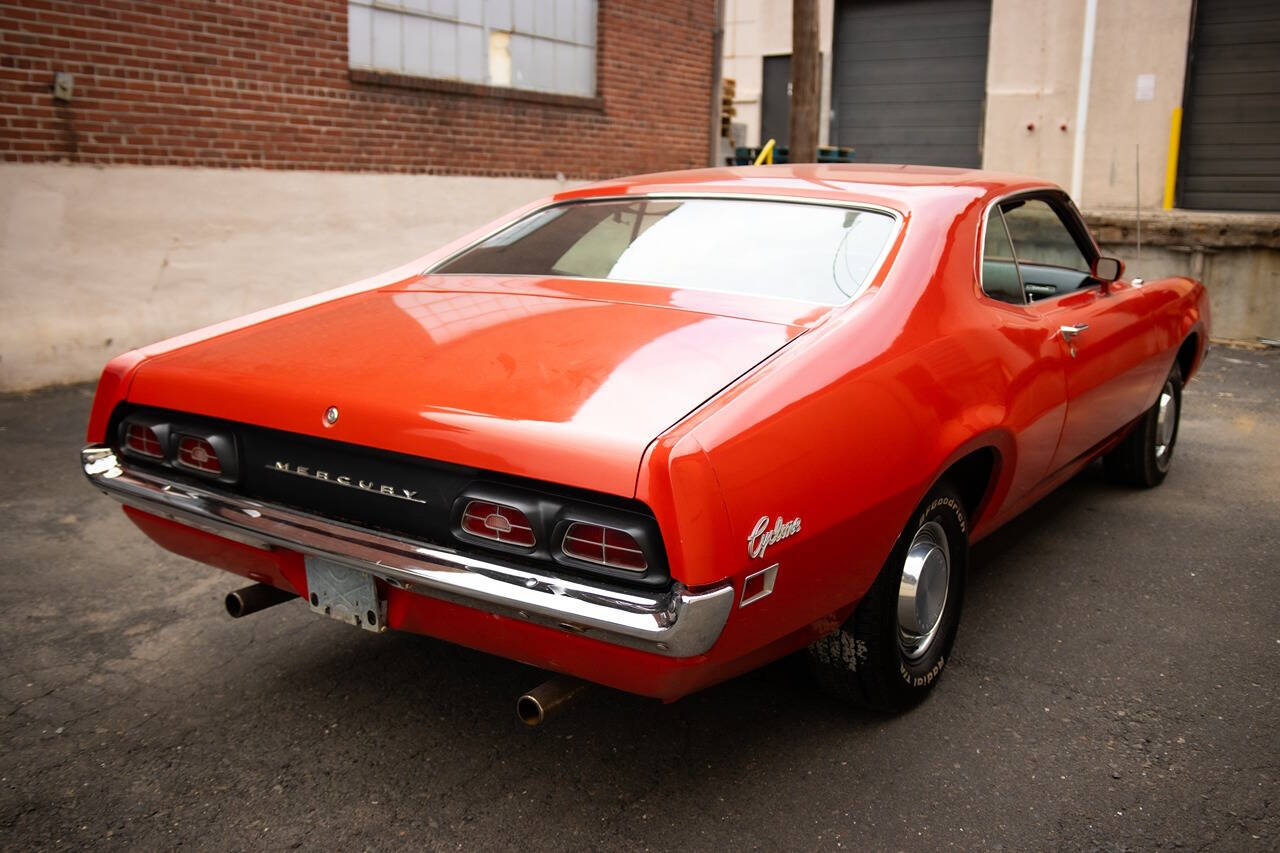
column 175, row 438
column 423, row 499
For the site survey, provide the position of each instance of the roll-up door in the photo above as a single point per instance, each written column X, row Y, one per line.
column 1231, row 123
column 909, row 80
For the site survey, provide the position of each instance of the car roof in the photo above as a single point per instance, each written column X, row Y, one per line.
column 900, row 187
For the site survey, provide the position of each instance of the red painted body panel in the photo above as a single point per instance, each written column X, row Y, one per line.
column 626, row 669
column 567, row 389
column 714, row 410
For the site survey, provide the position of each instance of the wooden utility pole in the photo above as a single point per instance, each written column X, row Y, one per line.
column 806, row 82
column 717, row 86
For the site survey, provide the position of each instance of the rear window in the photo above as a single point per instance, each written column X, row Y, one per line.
column 797, row 251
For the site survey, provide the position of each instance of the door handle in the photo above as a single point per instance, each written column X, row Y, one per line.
column 1069, row 332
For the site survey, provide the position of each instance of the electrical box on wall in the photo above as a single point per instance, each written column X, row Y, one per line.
column 63, row 84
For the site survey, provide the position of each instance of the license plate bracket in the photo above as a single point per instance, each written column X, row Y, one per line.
column 346, row 594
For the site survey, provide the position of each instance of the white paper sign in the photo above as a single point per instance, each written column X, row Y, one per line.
column 1146, row 87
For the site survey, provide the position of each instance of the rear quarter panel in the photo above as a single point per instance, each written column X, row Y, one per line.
column 851, row 425
column 847, row 429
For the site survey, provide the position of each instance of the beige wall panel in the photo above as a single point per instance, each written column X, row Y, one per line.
column 1032, row 73
column 1032, row 82
column 95, row 261
column 1135, row 37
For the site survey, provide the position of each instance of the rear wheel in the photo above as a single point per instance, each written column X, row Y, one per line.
column 888, row 655
column 1144, row 457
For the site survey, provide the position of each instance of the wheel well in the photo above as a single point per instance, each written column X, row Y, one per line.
column 1187, row 355
column 972, row 477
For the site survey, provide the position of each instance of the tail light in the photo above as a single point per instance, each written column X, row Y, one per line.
column 197, row 453
column 498, row 523
column 582, row 538
column 143, row 441
column 189, row 445
column 604, row 546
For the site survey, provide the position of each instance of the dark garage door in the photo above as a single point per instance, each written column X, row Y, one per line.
column 775, row 100
column 1231, row 125
column 909, row 80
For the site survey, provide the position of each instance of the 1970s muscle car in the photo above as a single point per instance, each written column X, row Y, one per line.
column 655, row 432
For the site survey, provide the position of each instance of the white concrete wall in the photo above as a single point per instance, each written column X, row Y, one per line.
column 95, row 261
column 1033, row 72
column 754, row 29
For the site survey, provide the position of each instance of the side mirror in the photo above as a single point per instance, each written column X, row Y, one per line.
column 1108, row 269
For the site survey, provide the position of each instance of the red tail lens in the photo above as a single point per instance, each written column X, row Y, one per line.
column 604, row 546
column 199, row 454
column 143, row 441
column 499, row 523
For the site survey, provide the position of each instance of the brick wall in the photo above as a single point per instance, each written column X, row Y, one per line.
column 266, row 84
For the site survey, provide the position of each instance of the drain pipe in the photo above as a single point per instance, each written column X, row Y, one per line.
column 1082, row 98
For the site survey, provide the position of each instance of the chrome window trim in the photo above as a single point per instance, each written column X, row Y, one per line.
column 874, row 271
column 675, row 623
column 980, row 248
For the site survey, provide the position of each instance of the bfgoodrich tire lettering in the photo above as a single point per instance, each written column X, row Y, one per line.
column 875, row 660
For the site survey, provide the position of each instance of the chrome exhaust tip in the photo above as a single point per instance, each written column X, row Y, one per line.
column 251, row 599
column 548, row 698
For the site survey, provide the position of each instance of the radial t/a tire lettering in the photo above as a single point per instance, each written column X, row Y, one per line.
column 890, row 652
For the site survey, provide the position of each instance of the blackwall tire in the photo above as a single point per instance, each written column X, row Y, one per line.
column 1144, row 457
column 890, row 652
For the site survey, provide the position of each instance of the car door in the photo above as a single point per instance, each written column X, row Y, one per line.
column 1030, row 361
column 1104, row 328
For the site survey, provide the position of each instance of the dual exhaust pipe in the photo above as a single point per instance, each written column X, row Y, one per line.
column 533, row 708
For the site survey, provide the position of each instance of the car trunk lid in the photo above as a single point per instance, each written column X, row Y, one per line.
column 540, row 378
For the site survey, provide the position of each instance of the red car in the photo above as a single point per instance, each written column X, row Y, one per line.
column 656, row 432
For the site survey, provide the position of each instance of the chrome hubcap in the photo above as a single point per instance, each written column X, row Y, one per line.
column 922, row 592
column 1166, row 420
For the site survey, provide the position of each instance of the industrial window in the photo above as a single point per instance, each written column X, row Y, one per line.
column 542, row 45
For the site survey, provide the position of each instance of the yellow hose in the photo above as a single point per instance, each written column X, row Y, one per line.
column 766, row 154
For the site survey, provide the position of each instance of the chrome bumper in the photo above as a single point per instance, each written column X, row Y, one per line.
column 678, row 623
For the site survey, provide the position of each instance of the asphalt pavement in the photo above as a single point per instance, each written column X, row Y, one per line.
column 1114, row 687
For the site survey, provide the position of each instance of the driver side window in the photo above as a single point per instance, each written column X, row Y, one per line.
column 1049, row 259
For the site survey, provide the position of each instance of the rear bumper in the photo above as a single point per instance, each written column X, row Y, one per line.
column 679, row 623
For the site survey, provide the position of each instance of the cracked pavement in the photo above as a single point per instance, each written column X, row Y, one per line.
column 1114, row 686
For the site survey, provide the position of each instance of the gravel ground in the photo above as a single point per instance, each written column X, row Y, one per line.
column 1114, row 686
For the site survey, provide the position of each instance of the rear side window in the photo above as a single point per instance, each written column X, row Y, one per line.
column 810, row 252
column 999, row 268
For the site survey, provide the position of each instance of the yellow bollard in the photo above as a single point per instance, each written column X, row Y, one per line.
column 1171, row 167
